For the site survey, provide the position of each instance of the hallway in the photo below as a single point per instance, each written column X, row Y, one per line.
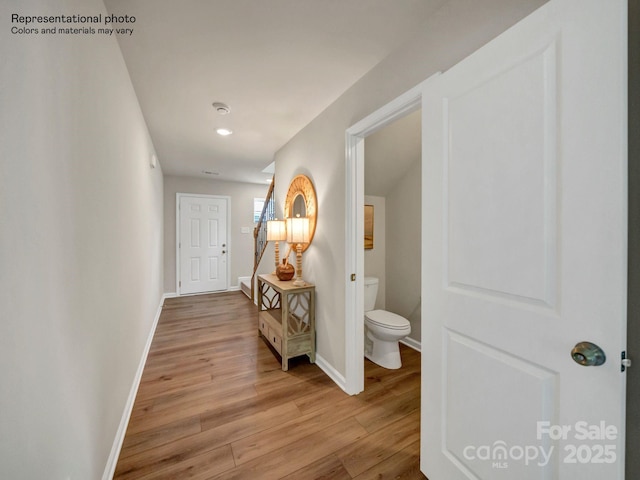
column 214, row 404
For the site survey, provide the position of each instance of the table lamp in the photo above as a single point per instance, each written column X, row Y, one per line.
column 276, row 232
column 298, row 234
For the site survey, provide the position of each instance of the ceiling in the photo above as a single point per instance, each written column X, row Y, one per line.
column 390, row 152
column 276, row 63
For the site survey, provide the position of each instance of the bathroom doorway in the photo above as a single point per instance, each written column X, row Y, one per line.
column 393, row 197
column 406, row 105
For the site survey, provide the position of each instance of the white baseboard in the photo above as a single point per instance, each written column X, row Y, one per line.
column 410, row 342
column 124, row 421
column 339, row 379
column 234, row 288
column 331, row 372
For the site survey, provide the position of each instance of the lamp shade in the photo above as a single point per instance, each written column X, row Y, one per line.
column 276, row 230
column 298, row 230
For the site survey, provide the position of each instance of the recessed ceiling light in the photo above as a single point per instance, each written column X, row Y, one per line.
column 224, row 132
column 221, row 108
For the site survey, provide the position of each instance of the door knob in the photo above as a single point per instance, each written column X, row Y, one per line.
column 588, row 354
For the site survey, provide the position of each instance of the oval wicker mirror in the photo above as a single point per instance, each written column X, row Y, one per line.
column 301, row 199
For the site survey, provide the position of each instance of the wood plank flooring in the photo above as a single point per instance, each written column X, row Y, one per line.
column 213, row 403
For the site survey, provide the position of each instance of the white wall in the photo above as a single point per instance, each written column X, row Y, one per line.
column 452, row 33
column 242, row 195
column 403, row 261
column 375, row 259
column 80, row 246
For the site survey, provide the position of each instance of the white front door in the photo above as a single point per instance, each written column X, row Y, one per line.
column 524, row 251
column 202, row 244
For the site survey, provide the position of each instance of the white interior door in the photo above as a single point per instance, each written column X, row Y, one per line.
column 202, row 244
column 524, row 251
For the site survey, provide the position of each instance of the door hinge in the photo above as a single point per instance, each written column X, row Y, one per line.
column 353, row 277
column 625, row 362
column 180, row 283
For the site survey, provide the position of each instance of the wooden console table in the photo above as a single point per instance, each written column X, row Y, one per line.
column 286, row 317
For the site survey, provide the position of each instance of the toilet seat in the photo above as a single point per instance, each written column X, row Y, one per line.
column 389, row 320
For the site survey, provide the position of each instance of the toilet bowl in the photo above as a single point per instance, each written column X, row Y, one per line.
column 383, row 330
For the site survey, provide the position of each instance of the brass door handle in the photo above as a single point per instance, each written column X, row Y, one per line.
column 588, row 354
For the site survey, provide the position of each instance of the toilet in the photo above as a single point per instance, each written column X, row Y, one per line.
column 383, row 330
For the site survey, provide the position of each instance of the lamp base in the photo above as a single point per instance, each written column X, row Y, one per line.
column 277, row 253
column 298, row 282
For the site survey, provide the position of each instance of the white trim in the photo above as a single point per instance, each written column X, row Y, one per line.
column 354, row 258
column 339, row 379
column 228, row 199
column 126, row 414
column 235, row 288
column 331, row 372
column 354, row 228
column 411, row 343
column 197, row 294
column 241, row 281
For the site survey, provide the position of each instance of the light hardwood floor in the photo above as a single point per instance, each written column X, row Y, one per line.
column 213, row 403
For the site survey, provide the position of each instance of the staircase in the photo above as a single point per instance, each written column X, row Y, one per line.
column 260, row 234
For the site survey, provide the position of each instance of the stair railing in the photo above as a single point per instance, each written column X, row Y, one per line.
column 260, row 233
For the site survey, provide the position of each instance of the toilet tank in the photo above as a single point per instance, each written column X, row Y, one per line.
column 370, row 293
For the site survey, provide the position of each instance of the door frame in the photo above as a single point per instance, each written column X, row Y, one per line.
column 355, row 135
column 196, row 195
